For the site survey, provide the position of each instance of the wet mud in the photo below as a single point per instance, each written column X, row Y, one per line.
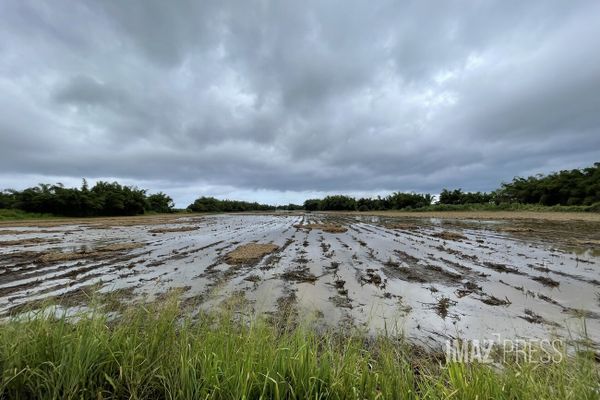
column 430, row 278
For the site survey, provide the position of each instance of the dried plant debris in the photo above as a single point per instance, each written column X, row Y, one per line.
column 401, row 226
column 252, row 278
column 502, row 268
column 468, row 288
column 341, row 301
column 447, row 235
column 374, row 278
column 301, row 274
column 494, row 301
column 443, row 305
column 534, row 318
column 544, row 280
column 249, row 253
column 334, row 266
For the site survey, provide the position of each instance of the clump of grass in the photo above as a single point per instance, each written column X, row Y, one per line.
column 10, row 214
column 155, row 353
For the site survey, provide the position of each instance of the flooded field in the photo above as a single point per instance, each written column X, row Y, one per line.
column 431, row 278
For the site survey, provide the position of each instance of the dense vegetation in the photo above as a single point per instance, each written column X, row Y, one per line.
column 395, row 201
column 210, row 204
column 570, row 188
column 457, row 196
column 155, row 352
column 577, row 190
column 103, row 199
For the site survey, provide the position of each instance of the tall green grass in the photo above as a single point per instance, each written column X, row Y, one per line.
column 10, row 214
column 154, row 353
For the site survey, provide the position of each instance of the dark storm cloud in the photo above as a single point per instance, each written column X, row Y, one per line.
column 279, row 100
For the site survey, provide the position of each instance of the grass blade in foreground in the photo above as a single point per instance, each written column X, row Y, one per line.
column 154, row 353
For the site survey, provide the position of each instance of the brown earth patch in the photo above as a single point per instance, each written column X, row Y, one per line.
column 173, row 229
column 588, row 242
column 98, row 252
column 27, row 232
column 29, row 241
column 330, row 228
column 516, row 230
column 248, row 253
column 119, row 246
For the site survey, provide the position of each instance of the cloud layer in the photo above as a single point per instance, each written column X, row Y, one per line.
column 274, row 101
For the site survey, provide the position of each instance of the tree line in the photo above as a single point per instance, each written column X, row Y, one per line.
column 103, row 199
column 211, row 204
column 569, row 187
column 394, row 201
column 577, row 187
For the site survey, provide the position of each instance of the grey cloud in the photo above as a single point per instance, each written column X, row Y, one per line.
column 83, row 89
column 260, row 98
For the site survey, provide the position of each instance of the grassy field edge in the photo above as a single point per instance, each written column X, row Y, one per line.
column 154, row 352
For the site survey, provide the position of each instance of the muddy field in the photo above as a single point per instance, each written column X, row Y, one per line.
column 431, row 278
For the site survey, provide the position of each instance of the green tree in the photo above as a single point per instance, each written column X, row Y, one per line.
column 160, row 203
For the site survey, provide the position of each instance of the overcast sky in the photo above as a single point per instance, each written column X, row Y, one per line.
column 277, row 101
